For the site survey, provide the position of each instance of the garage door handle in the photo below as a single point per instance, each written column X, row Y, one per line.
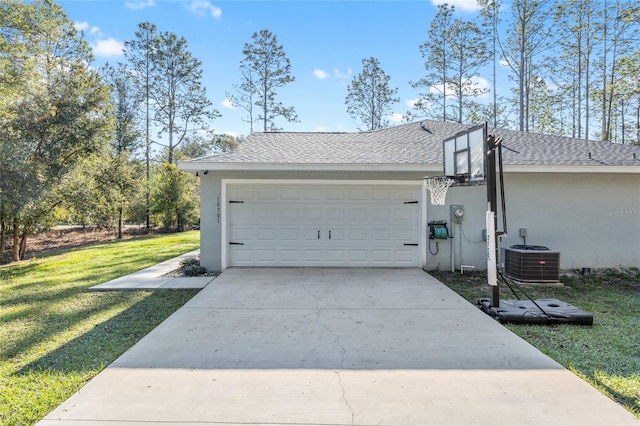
column 318, row 234
column 329, row 234
column 410, row 244
column 236, row 244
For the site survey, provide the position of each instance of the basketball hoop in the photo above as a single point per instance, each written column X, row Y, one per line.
column 438, row 186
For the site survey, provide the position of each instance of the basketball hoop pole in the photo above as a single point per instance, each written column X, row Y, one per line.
column 491, row 143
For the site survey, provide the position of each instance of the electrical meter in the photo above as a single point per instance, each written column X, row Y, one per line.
column 457, row 213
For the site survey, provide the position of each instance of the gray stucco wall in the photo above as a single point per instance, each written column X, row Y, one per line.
column 469, row 248
column 593, row 219
column 210, row 222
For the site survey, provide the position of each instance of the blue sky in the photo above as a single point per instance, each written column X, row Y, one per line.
column 325, row 41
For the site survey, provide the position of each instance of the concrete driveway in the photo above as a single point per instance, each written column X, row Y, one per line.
column 270, row 346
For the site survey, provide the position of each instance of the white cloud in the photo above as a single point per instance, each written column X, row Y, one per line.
column 461, row 5
column 81, row 26
column 481, row 83
column 202, row 7
column 85, row 28
column 321, row 74
column 411, row 102
column 227, row 104
column 108, row 48
column 338, row 74
column 140, row 4
column 231, row 133
column 321, row 129
column 395, row 117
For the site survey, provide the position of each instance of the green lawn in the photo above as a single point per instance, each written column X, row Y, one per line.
column 55, row 336
column 607, row 354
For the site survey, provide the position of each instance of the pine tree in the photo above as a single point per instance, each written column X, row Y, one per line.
column 181, row 106
column 369, row 96
column 266, row 62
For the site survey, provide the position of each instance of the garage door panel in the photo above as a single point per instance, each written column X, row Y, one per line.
column 407, row 215
column 290, row 255
column 292, row 234
column 335, row 214
column 407, row 234
column 290, row 193
column 242, row 212
column 358, row 214
column 313, row 256
column 241, row 255
column 337, row 193
column 315, row 193
column 380, row 214
column 359, row 194
column 335, row 255
column 358, row 234
column 405, row 194
column 266, row 194
column 312, row 214
column 359, row 256
column 243, row 234
column 336, row 234
column 405, row 256
column 267, row 234
column 322, row 225
column 267, row 255
column 241, row 193
column 311, row 234
column 381, row 256
column 382, row 194
column 380, row 234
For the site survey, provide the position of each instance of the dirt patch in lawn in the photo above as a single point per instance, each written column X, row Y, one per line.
column 64, row 238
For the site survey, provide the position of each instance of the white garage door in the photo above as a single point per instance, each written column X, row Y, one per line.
column 322, row 225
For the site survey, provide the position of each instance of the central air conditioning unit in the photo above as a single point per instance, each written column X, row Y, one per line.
column 535, row 264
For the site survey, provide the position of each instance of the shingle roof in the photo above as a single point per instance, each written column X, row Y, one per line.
column 415, row 144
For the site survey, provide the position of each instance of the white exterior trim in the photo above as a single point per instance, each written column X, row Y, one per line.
column 224, row 237
column 194, row 166
column 539, row 168
column 224, row 240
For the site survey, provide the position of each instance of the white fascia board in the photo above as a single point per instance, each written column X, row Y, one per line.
column 540, row 168
column 202, row 166
column 196, row 166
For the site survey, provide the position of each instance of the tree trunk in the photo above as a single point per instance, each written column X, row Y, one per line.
column 16, row 239
column 23, row 240
column 3, row 230
column 604, row 135
column 120, row 222
column 638, row 122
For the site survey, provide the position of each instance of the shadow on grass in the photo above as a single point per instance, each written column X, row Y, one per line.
column 42, row 324
column 629, row 401
column 609, row 348
column 101, row 345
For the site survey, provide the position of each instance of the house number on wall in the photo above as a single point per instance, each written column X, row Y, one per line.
column 218, row 209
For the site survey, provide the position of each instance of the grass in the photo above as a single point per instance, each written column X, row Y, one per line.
column 55, row 336
column 607, row 354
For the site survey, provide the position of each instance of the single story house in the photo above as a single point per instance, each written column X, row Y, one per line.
column 357, row 199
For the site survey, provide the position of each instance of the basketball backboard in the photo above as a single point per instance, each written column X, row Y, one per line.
column 464, row 156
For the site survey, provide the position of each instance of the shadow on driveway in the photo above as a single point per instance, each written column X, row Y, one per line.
column 335, row 346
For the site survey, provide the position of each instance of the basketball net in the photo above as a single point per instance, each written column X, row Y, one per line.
column 438, row 186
